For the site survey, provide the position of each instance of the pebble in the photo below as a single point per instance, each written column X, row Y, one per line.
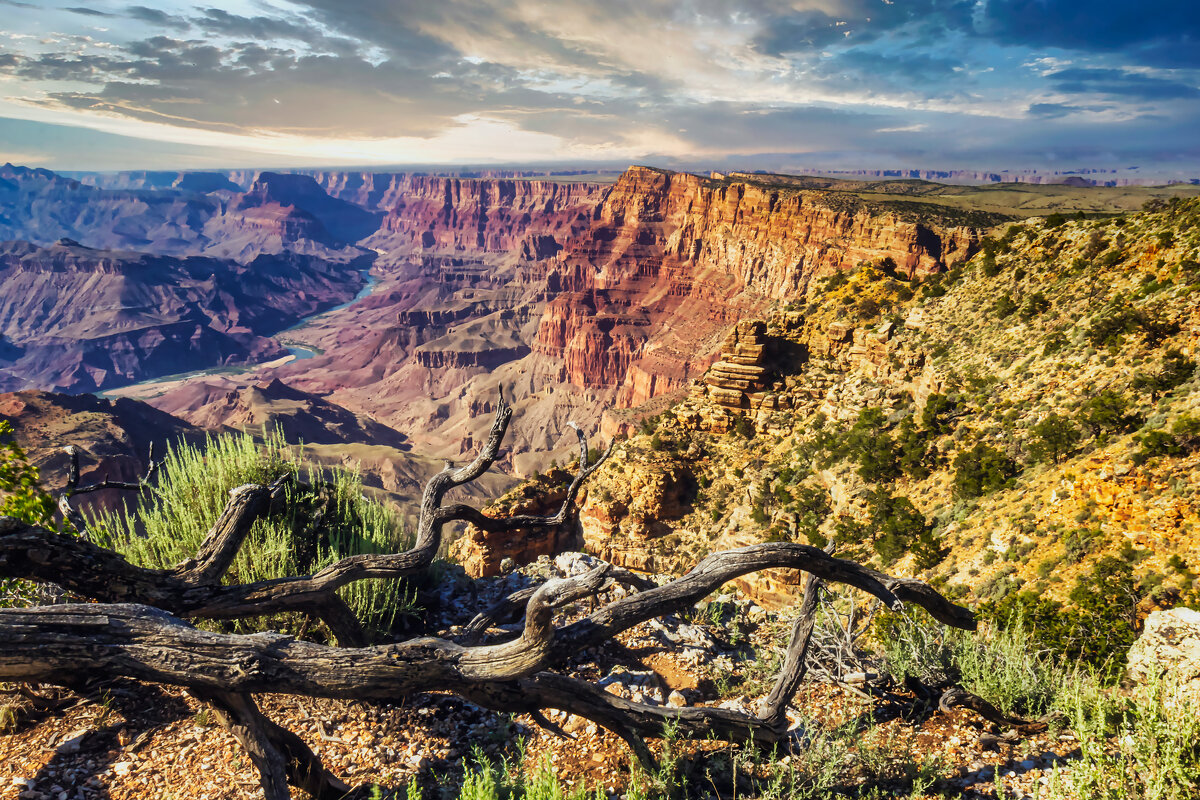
column 676, row 699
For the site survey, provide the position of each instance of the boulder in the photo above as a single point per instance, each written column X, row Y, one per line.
column 1169, row 647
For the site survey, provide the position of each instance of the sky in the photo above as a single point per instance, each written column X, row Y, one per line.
column 986, row 84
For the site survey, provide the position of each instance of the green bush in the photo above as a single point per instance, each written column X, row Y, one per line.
column 897, row 527
column 318, row 522
column 26, row 500
column 915, row 454
column 1097, row 628
column 20, row 484
column 868, row 444
column 996, row 663
column 1053, row 438
column 1183, row 438
column 1004, row 306
column 1109, row 412
column 1035, row 305
column 1176, row 369
column 982, row 469
column 937, row 416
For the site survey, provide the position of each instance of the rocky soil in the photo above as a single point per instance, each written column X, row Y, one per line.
column 129, row 741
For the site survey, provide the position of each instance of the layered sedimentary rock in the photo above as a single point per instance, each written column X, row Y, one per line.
column 739, row 382
column 481, row 553
column 182, row 214
column 643, row 298
column 83, row 319
column 526, row 218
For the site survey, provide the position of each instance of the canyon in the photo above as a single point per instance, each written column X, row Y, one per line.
column 593, row 302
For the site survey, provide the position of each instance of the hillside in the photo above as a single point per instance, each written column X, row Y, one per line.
column 1023, row 415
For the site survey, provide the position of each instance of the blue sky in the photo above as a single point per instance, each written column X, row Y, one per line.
column 94, row 84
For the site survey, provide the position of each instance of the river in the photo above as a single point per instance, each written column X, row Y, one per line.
column 298, row 351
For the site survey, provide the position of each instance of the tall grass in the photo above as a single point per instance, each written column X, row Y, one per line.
column 321, row 519
column 999, row 665
column 1144, row 745
column 508, row 780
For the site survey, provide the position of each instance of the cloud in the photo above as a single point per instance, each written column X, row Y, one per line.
column 1154, row 32
column 87, row 12
column 157, row 17
column 692, row 76
column 1116, row 82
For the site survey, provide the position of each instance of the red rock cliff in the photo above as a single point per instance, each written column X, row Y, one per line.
column 524, row 217
column 671, row 260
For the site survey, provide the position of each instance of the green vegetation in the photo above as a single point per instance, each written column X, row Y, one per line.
column 507, row 780
column 24, row 499
column 20, row 484
column 1053, row 438
column 982, row 469
column 318, row 522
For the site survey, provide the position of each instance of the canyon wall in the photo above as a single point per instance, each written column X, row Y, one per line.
column 642, row 299
column 528, row 218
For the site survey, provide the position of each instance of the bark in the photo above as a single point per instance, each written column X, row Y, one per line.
column 138, row 628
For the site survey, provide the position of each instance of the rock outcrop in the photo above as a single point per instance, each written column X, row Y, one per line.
column 643, row 297
column 526, row 219
column 1168, row 649
column 481, row 553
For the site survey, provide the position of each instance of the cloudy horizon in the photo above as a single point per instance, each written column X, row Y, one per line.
column 870, row 83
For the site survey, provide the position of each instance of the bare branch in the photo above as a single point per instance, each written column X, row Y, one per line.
column 72, row 487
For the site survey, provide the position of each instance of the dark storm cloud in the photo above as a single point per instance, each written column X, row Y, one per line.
column 156, row 16
column 1156, row 32
column 87, row 12
column 1080, row 80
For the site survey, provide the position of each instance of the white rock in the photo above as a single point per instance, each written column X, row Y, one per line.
column 676, row 699
column 1169, row 647
column 72, row 743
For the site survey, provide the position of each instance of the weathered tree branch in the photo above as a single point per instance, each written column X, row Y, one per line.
column 137, row 630
column 72, row 487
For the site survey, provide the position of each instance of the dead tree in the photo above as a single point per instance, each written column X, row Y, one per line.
column 137, row 628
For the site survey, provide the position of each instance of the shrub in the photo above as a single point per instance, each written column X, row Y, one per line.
column 24, row 499
column 811, row 510
column 1110, row 328
column 1183, row 438
column 318, row 522
column 1109, row 411
column 1176, row 369
column 870, row 446
column 20, row 484
column 982, row 469
column 1055, row 342
column 937, row 414
column 1053, row 438
column 914, row 450
column 1004, row 306
column 898, row 528
column 1097, row 628
column 1035, row 305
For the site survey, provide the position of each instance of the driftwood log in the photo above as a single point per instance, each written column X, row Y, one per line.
column 137, row 627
